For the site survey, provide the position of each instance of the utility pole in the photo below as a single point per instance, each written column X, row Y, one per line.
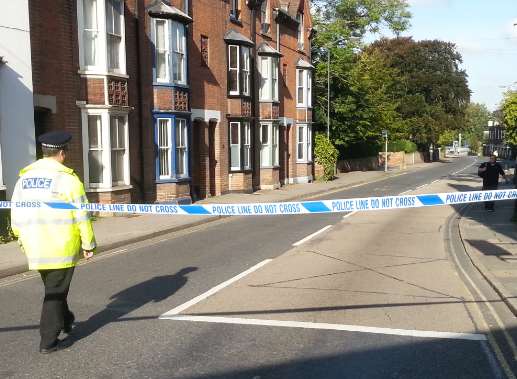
column 328, row 93
column 385, row 135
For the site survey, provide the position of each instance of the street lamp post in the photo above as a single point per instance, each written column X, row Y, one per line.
column 328, row 93
column 385, row 135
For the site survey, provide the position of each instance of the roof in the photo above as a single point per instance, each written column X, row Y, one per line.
column 162, row 10
column 265, row 49
column 304, row 64
column 231, row 36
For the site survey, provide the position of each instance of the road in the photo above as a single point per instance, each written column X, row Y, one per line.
column 378, row 295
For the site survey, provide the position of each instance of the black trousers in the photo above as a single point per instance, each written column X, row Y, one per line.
column 489, row 204
column 55, row 313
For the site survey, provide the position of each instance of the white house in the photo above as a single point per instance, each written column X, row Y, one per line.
column 17, row 141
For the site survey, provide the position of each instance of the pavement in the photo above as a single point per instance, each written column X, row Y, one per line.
column 490, row 239
column 118, row 231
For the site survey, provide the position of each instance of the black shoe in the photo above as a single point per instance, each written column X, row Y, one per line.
column 58, row 345
column 69, row 325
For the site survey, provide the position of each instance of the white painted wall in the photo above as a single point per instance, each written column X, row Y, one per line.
column 17, row 139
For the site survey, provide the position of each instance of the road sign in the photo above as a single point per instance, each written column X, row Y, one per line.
column 384, row 133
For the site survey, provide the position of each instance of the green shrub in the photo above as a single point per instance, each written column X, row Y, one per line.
column 325, row 155
column 402, row 145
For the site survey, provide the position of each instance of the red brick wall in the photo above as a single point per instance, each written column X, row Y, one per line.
column 55, row 61
column 115, row 197
column 241, row 182
column 168, row 192
column 95, row 91
column 270, row 176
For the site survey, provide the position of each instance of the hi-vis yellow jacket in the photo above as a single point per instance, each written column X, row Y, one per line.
column 50, row 238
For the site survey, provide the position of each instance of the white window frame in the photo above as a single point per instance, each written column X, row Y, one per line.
column 166, row 51
column 245, row 76
column 179, row 122
column 305, row 145
column 244, row 145
column 169, row 147
column 300, row 36
column 268, row 90
column 235, row 9
column 179, row 49
column 270, row 149
column 306, row 86
column 107, row 182
column 265, row 23
column 176, row 46
column 237, row 69
column 242, row 68
column 101, row 47
column 235, row 168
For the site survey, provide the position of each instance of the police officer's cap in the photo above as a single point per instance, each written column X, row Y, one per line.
column 55, row 140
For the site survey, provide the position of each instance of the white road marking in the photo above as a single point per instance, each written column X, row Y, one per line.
column 326, row 326
column 350, row 214
column 312, row 235
column 213, row 290
column 464, row 168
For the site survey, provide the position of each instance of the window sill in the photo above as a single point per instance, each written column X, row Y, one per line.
column 245, row 171
column 102, row 73
column 110, row 189
column 269, row 167
column 166, row 84
column 239, row 96
column 2, row 187
column 269, row 101
column 304, row 162
column 173, row 180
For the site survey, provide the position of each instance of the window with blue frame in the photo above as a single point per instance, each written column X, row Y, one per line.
column 172, row 148
column 170, row 63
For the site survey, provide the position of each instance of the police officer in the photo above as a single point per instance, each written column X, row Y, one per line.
column 52, row 239
column 490, row 172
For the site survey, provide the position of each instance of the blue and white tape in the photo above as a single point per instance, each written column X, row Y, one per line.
column 283, row 208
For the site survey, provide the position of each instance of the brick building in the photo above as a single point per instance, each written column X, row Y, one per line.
column 176, row 100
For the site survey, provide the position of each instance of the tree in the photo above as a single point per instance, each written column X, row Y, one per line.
column 434, row 91
column 447, row 138
column 509, row 110
column 476, row 120
column 358, row 83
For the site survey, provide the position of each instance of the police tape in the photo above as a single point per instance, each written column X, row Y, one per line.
column 280, row 208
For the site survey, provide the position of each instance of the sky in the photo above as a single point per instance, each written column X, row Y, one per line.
column 485, row 36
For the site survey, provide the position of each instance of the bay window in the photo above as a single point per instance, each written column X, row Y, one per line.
column 303, row 88
column 269, row 136
column 106, row 149
column 240, row 146
column 268, row 78
column 101, row 36
column 172, row 147
column 181, row 147
column 170, row 52
column 239, row 70
column 303, row 143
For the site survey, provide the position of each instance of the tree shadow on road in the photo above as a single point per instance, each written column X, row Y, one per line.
column 122, row 303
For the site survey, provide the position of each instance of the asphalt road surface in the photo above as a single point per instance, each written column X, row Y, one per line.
column 118, row 298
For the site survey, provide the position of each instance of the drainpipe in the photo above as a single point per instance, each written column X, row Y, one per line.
column 140, row 182
column 254, row 98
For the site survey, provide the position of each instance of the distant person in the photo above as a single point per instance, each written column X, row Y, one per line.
column 52, row 239
column 490, row 172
